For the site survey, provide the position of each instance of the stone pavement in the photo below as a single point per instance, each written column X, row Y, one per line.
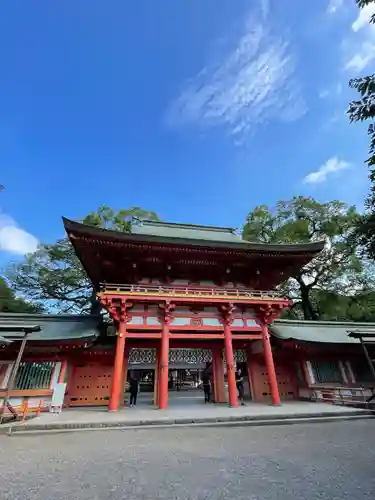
column 186, row 414
column 331, row 461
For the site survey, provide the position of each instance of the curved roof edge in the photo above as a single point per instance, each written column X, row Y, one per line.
column 37, row 317
column 52, row 327
column 327, row 332
column 72, row 227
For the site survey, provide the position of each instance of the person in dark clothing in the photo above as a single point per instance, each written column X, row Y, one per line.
column 206, row 388
column 133, row 389
column 240, row 387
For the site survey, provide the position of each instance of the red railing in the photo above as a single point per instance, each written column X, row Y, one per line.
column 178, row 291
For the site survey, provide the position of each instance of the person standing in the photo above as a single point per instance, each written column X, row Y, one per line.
column 133, row 389
column 206, row 382
column 240, row 386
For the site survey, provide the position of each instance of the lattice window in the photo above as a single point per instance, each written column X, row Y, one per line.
column 327, row 372
column 34, row 375
column 142, row 356
column 240, row 356
column 190, row 356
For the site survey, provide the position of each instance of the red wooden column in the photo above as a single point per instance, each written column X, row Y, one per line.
column 272, row 380
column 231, row 376
column 62, row 374
column 164, row 357
column 156, row 377
column 117, row 377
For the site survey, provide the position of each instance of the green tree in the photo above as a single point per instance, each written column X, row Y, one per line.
column 337, row 269
column 53, row 274
column 363, row 110
column 9, row 303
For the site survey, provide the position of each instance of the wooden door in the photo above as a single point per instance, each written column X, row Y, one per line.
column 90, row 385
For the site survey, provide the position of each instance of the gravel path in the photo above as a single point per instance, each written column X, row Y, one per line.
column 302, row 462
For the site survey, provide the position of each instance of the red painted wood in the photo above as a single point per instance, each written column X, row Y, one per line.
column 218, row 376
column 270, row 365
column 232, row 389
column 118, row 369
column 89, row 384
column 164, row 375
column 199, row 300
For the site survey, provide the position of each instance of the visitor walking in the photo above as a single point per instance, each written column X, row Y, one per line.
column 240, row 386
column 133, row 389
column 206, row 382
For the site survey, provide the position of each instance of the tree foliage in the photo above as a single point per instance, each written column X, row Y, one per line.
column 53, row 274
column 9, row 303
column 363, row 110
column 337, row 270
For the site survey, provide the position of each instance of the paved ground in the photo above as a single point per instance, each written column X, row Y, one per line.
column 333, row 461
column 182, row 411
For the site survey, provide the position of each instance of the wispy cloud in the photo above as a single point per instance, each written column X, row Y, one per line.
column 332, row 165
column 250, row 85
column 362, row 48
column 334, row 6
column 332, row 91
column 363, row 17
column 15, row 240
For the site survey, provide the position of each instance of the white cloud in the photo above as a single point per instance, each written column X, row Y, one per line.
column 362, row 58
column 363, row 17
column 13, row 239
column 252, row 84
column 362, row 48
column 334, row 5
column 333, row 91
column 330, row 166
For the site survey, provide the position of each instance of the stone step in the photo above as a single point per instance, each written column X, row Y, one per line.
column 41, row 428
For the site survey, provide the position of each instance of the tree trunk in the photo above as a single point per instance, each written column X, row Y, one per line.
column 95, row 307
column 308, row 310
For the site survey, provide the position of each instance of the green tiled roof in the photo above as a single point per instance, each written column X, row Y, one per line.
column 331, row 332
column 53, row 327
column 187, row 231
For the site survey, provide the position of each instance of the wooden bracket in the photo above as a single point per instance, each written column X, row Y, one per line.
column 167, row 307
column 227, row 311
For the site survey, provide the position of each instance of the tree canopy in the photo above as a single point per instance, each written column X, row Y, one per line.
column 363, row 110
column 53, row 274
column 337, row 270
column 9, row 303
column 338, row 284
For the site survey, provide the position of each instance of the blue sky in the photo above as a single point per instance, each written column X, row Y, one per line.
column 198, row 110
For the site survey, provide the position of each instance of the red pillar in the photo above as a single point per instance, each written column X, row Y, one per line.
column 164, row 372
column 272, row 380
column 117, row 376
column 62, row 374
column 231, row 376
column 156, row 378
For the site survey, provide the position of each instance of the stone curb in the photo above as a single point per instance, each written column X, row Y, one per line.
column 256, row 420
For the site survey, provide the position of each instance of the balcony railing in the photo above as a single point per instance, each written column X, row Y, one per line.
column 189, row 291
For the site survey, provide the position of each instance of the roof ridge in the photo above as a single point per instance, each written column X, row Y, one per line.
column 185, row 225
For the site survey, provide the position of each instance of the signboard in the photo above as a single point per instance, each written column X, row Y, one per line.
column 58, row 396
